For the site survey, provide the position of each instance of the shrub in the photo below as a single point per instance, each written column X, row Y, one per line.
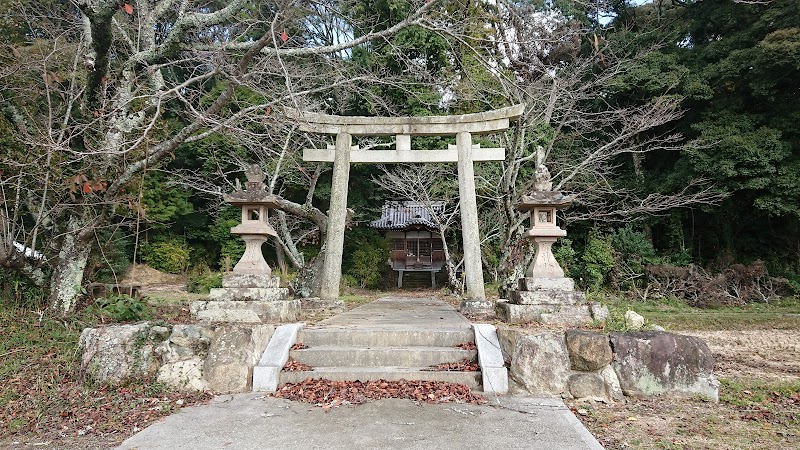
column 122, row 308
column 367, row 266
column 19, row 291
column 598, row 260
column 565, row 255
column 167, row 256
column 734, row 286
column 202, row 283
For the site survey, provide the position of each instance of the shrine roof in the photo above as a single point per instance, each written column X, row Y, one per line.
column 399, row 215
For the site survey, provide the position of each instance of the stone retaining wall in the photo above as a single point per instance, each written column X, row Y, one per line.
column 576, row 364
column 219, row 358
column 587, row 365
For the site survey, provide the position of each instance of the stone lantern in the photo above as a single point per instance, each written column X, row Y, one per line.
column 255, row 229
column 545, row 295
column 250, row 293
column 544, row 232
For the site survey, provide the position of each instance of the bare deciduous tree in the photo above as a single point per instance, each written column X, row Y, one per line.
column 98, row 91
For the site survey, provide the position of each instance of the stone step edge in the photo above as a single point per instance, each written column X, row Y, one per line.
column 381, row 348
column 366, row 374
column 407, row 338
column 494, row 374
column 375, row 369
column 409, row 356
column 267, row 371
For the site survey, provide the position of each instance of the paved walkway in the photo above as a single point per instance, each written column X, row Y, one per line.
column 255, row 421
column 400, row 313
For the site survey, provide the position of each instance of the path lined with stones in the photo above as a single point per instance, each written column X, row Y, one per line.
column 247, row 421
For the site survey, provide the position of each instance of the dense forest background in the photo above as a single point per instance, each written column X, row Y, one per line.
column 673, row 123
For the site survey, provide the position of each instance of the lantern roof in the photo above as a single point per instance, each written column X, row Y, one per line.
column 544, row 198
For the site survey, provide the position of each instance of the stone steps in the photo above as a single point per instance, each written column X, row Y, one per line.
column 415, row 356
column 365, row 337
column 389, row 373
column 341, row 353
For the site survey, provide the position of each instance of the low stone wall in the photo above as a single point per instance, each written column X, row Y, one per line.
column 219, row 358
column 572, row 364
column 586, row 365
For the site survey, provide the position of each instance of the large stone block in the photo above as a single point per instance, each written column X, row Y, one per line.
column 183, row 375
column 249, row 294
column 587, row 386
column 228, row 315
column 568, row 315
column 588, row 351
column 541, row 364
column 612, row 384
column 537, row 283
column 324, row 305
column 249, row 280
column 116, row 352
column 246, row 311
column 655, row 362
column 232, row 355
column 477, row 307
column 192, row 338
column 546, row 297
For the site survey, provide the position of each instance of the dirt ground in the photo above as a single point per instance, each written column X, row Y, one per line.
column 759, row 404
column 767, row 355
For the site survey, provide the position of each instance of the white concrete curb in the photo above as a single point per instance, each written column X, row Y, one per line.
column 266, row 372
column 490, row 358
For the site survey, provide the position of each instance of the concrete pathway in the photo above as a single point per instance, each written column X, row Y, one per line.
column 255, row 421
column 252, row 421
column 400, row 313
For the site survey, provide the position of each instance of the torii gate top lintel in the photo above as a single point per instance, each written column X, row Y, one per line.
column 475, row 123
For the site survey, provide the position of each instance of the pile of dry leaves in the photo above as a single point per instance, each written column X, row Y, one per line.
column 296, row 366
column 465, row 365
column 327, row 393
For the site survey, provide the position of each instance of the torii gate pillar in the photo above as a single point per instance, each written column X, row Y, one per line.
column 331, row 275
column 468, row 204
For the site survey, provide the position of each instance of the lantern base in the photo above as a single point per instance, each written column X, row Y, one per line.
column 246, row 311
column 564, row 315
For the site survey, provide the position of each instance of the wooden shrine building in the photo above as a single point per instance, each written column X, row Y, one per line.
column 414, row 239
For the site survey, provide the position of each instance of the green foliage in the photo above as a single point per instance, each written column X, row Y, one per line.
column 231, row 246
column 633, row 252
column 113, row 259
column 202, row 283
column 598, row 260
column 21, row 292
column 168, row 256
column 164, row 203
column 121, row 308
column 367, row 265
column 566, row 256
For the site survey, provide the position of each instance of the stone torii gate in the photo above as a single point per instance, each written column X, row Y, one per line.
column 403, row 128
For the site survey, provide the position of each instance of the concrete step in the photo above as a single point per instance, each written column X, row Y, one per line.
column 414, row 356
column 471, row 379
column 362, row 337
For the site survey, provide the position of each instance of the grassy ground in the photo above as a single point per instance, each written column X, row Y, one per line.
column 44, row 401
column 675, row 315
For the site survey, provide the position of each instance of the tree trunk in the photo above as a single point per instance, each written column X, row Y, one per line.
column 307, row 284
column 67, row 277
